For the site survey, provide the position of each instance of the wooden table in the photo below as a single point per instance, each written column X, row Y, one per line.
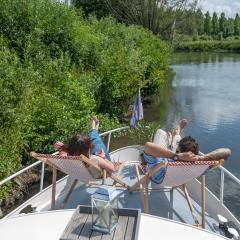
column 80, row 226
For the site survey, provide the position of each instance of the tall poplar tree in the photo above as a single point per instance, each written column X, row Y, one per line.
column 200, row 22
column 207, row 24
column 222, row 24
column 229, row 27
column 215, row 24
column 237, row 25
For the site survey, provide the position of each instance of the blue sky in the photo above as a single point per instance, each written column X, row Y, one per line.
column 230, row 7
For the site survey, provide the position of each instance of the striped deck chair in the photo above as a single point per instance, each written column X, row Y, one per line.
column 74, row 166
column 174, row 177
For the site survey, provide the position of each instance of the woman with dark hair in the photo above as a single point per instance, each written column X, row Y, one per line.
column 90, row 146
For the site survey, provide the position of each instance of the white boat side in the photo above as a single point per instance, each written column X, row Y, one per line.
column 50, row 225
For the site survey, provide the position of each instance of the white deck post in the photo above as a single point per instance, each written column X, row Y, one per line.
column 54, row 177
column 42, row 176
column 203, row 181
column 222, row 187
column 109, row 139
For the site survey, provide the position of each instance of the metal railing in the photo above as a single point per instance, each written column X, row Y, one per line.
column 109, row 135
column 229, row 174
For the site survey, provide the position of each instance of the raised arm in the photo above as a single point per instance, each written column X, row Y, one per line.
column 104, row 163
column 220, row 153
column 155, row 150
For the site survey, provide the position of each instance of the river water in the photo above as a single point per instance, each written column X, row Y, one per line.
column 206, row 90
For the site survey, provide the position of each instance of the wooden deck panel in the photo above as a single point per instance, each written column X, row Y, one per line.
column 130, row 228
column 75, row 226
column 121, row 228
column 96, row 235
column 80, row 226
column 87, row 229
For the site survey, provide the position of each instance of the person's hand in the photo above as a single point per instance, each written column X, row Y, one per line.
column 101, row 153
column 188, row 156
column 58, row 145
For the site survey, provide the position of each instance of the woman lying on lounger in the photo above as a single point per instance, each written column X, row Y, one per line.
column 90, row 146
column 168, row 147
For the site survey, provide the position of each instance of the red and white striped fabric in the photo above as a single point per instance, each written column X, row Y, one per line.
column 71, row 165
column 181, row 172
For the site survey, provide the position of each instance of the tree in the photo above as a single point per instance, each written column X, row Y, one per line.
column 222, row 24
column 160, row 16
column 229, row 27
column 97, row 7
column 207, row 24
column 237, row 25
column 215, row 24
column 200, row 22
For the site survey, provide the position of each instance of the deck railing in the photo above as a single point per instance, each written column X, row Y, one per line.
column 109, row 135
column 229, row 174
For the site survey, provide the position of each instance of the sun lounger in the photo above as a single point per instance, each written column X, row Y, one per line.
column 76, row 167
column 177, row 175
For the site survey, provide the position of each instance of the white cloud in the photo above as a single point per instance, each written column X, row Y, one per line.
column 230, row 7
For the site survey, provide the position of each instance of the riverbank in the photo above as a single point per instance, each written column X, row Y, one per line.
column 59, row 69
column 209, row 46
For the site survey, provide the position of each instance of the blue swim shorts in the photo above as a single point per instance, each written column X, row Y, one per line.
column 97, row 143
column 152, row 162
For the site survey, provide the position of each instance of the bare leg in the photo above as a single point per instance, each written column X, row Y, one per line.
column 176, row 137
column 161, row 138
column 94, row 123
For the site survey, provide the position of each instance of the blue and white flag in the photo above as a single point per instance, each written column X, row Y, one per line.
column 137, row 111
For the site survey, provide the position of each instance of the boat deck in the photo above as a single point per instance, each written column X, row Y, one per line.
column 162, row 203
column 50, row 226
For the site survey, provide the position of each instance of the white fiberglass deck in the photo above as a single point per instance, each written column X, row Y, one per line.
column 50, row 225
column 163, row 203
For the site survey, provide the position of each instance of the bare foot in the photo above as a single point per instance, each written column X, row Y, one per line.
column 58, row 145
column 117, row 165
column 94, row 123
column 182, row 124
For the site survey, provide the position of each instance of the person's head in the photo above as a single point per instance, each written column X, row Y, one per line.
column 188, row 144
column 79, row 144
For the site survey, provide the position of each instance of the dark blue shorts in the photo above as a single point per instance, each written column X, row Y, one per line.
column 152, row 162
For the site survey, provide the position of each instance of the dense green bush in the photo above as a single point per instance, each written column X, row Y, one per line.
column 214, row 45
column 57, row 70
